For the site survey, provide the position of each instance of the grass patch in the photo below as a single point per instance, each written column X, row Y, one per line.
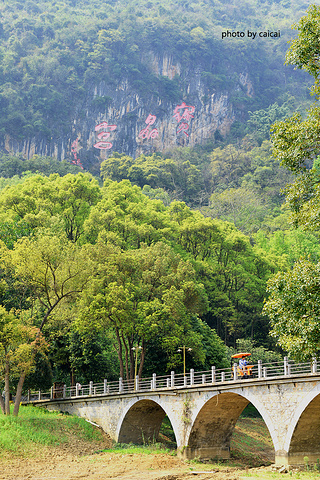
column 130, row 448
column 38, row 427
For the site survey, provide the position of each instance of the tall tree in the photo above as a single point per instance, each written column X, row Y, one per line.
column 293, row 304
column 51, row 267
column 53, row 270
column 294, row 309
column 141, row 295
column 20, row 341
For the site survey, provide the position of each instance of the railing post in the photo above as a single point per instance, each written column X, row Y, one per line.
column 203, row 379
column 51, row 393
column 285, row 366
column 105, row 385
column 168, row 382
column 223, row 376
column 64, row 391
column 77, row 389
column 154, row 381
column 314, row 365
column 172, row 379
column 137, row 383
column 235, row 371
column 213, row 374
column 120, row 385
column 259, row 368
column 39, row 395
column 191, row 376
column 90, row 388
column 265, row 372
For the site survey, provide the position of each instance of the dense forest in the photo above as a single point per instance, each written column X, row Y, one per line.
column 161, row 250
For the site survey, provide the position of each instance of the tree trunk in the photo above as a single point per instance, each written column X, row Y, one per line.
column 7, row 385
column 126, row 357
column 120, row 353
column 132, row 354
column 2, row 405
column 19, row 394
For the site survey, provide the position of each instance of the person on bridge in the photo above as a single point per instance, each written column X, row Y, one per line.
column 243, row 365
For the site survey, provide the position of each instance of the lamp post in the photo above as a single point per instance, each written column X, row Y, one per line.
column 136, row 350
column 183, row 349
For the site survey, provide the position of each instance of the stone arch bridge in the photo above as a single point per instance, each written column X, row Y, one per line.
column 204, row 407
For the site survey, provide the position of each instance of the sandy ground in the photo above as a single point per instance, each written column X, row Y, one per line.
column 106, row 466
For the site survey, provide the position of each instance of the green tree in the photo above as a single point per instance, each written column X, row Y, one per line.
column 296, row 140
column 52, row 268
column 20, row 342
column 141, row 294
column 293, row 302
column 179, row 177
column 239, row 205
column 233, row 272
column 294, row 309
column 44, row 201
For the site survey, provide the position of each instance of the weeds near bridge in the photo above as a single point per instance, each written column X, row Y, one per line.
column 130, row 448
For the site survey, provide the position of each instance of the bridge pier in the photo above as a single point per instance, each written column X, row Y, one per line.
column 302, row 444
column 213, row 427
column 204, row 453
column 297, row 458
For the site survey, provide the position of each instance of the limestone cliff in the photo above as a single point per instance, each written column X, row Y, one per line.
column 135, row 124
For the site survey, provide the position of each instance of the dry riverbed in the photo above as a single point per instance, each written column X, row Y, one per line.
column 63, row 465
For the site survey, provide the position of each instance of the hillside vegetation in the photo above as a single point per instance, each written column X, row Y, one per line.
column 53, row 53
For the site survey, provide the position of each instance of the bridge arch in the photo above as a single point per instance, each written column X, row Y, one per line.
column 141, row 421
column 214, row 424
column 303, row 436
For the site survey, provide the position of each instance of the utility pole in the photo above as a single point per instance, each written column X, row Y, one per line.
column 183, row 349
column 136, row 351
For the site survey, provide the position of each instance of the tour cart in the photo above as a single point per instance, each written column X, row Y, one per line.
column 243, row 369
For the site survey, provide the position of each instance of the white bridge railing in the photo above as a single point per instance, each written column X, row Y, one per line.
column 261, row 370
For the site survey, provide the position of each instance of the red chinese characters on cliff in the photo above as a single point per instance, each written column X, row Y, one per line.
column 104, row 135
column 148, row 132
column 183, row 114
column 74, row 151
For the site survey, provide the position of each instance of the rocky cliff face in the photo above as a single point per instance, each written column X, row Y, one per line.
column 133, row 124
